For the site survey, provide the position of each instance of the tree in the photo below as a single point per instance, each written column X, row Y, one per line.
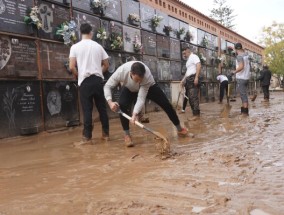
column 272, row 39
column 223, row 14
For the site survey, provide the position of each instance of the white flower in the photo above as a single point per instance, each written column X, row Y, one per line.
column 98, row 35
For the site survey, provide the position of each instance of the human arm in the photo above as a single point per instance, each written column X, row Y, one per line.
column 105, row 65
column 72, row 66
column 198, row 69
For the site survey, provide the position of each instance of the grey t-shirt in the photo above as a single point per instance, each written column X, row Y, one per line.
column 122, row 75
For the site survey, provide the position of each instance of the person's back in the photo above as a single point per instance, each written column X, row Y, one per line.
column 265, row 77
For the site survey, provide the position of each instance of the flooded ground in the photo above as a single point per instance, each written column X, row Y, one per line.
column 233, row 166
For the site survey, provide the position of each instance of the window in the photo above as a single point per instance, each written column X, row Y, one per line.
column 164, row 4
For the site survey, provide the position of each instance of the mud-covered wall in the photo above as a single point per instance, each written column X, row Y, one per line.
column 38, row 93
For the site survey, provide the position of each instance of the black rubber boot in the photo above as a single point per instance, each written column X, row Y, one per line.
column 242, row 110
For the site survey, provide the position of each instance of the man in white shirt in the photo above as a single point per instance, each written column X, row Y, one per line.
column 190, row 80
column 91, row 60
column 138, row 84
column 242, row 75
column 223, row 86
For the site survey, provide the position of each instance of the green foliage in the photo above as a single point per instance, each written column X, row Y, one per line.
column 223, row 14
column 273, row 40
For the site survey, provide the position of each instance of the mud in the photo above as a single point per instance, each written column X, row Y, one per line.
column 232, row 166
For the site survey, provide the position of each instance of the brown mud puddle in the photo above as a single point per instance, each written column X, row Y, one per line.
column 232, row 166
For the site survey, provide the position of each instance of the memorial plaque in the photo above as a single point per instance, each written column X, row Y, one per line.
column 115, row 60
column 80, row 18
column 175, row 69
column 163, row 23
column 146, row 14
column 130, row 7
column 200, row 38
column 212, row 73
column 174, row 23
column 166, row 88
column 163, row 46
column 51, row 16
column 113, row 10
column 183, row 26
column 60, row 102
column 53, row 59
column 83, row 5
column 203, row 72
column 131, row 37
column 149, row 42
column 151, row 62
column 12, row 16
column 164, row 72
column 223, row 46
column 193, row 34
column 175, row 52
column 20, row 111
column 18, row 57
column 63, row 2
column 115, row 31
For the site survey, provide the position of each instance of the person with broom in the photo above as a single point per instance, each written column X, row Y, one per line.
column 138, row 84
column 223, row 86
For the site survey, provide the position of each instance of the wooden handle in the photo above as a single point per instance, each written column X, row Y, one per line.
column 136, row 122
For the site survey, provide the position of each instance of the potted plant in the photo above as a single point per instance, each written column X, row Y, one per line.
column 188, row 36
column 168, row 29
column 180, row 32
column 66, row 32
column 133, row 19
column 32, row 19
column 155, row 21
column 98, row 6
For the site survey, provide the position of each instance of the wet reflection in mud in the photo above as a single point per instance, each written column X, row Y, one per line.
column 232, row 165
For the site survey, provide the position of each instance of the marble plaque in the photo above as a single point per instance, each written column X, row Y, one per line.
column 131, row 36
column 51, row 16
column 146, row 14
column 175, row 68
column 193, row 33
column 115, row 60
column 175, row 52
column 115, row 30
column 174, row 23
column 185, row 27
column 60, row 102
column 83, row 5
column 149, row 42
column 53, row 59
column 12, row 16
column 113, row 10
column 163, row 23
column 64, row 2
column 18, row 57
column 163, row 46
column 130, row 7
column 151, row 62
column 105, row 25
column 164, row 72
column 20, row 108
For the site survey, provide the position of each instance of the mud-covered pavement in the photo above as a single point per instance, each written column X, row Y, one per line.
column 233, row 166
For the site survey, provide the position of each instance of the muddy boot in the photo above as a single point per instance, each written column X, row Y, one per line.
column 242, row 110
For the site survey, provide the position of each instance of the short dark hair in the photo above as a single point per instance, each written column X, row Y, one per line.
column 85, row 28
column 238, row 46
column 138, row 68
column 265, row 66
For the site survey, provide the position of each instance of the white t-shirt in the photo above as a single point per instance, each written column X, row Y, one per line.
column 245, row 73
column 89, row 55
column 191, row 63
column 222, row 78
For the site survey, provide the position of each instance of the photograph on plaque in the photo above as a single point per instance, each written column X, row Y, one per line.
column 113, row 10
column 149, row 43
column 80, row 17
column 115, row 60
column 21, row 108
column 132, row 39
column 164, row 22
column 18, row 57
column 164, row 71
column 52, row 17
column 54, row 56
column 146, row 14
column 60, row 102
column 166, row 88
column 131, row 12
column 193, row 34
column 12, row 16
column 151, row 62
column 174, row 23
column 175, row 52
column 175, row 68
column 163, row 46
column 115, row 39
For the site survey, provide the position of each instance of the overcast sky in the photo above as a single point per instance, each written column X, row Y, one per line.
column 252, row 15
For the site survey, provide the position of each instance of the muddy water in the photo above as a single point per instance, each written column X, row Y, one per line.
column 233, row 165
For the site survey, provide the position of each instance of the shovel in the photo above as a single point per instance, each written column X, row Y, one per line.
column 164, row 147
column 226, row 110
column 255, row 92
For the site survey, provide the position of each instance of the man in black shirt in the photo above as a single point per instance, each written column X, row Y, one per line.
column 265, row 77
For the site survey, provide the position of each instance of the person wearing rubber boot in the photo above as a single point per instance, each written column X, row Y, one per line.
column 242, row 76
column 191, row 80
column 138, row 84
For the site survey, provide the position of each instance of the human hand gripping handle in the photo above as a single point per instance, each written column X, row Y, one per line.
column 114, row 106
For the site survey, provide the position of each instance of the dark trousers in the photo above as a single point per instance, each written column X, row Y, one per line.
column 265, row 90
column 91, row 90
column 223, row 88
column 127, row 98
column 185, row 99
column 193, row 95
